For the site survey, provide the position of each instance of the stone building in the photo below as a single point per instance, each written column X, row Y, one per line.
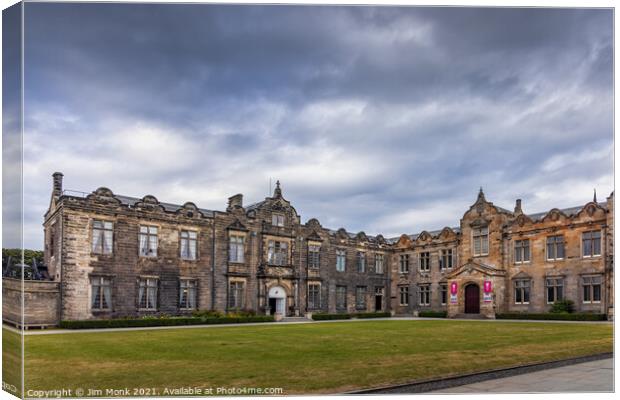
column 116, row 256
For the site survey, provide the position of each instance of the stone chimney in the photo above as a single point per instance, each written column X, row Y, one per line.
column 57, row 184
column 518, row 209
column 235, row 201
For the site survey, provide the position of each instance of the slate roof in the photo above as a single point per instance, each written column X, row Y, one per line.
column 568, row 211
column 131, row 201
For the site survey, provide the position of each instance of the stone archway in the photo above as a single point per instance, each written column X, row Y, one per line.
column 277, row 301
column 472, row 299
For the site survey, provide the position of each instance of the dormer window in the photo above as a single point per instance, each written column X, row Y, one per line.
column 277, row 220
column 480, row 238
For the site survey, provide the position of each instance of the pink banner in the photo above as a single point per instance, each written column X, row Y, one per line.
column 487, row 287
column 453, row 288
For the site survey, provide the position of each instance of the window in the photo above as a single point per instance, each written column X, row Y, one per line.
column 187, row 294
column 360, row 297
column 236, row 295
column 379, row 263
column 361, row 261
column 314, row 256
column 236, row 249
column 101, row 293
column 555, row 290
column 341, row 260
column 444, row 294
column 403, row 294
column 555, row 247
column 277, row 220
column 425, row 295
column 592, row 289
column 522, row 251
column 147, row 294
column 425, row 261
column 481, row 241
column 148, row 241
column 188, row 245
column 446, row 261
column 341, row 297
column 591, row 243
column 404, row 264
column 102, row 237
column 314, row 296
column 277, row 253
column 522, row 291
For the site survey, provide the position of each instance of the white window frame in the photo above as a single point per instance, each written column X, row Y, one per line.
column 443, row 256
column 278, row 252
column 341, row 290
column 147, row 232
column 189, row 237
column 552, row 282
column 314, row 256
column 236, row 248
column 315, row 304
column 427, row 265
column 341, row 255
column 236, row 292
column 555, row 248
column 591, row 286
column 403, row 266
column 99, row 284
column 104, row 232
column 521, row 249
column 379, row 261
column 148, row 285
column 424, row 295
column 600, row 244
column 277, row 220
column 361, row 262
column 522, row 289
column 478, row 234
column 443, row 293
column 188, row 289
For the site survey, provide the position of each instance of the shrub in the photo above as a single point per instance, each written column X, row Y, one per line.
column 563, row 306
column 325, row 316
column 372, row 315
column 433, row 314
column 554, row 316
column 208, row 314
column 164, row 321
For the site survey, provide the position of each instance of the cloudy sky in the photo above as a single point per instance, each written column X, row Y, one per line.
column 381, row 119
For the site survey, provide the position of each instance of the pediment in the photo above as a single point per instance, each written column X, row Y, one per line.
column 237, row 226
column 314, row 237
column 473, row 267
column 522, row 275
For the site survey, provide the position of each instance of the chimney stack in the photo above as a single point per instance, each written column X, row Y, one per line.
column 518, row 207
column 57, row 184
column 235, row 201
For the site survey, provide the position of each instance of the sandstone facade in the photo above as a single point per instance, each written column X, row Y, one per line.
column 261, row 257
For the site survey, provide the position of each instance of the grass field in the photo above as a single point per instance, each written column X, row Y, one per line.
column 305, row 358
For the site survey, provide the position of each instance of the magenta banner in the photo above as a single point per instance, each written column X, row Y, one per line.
column 487, row 287
column 453, row 288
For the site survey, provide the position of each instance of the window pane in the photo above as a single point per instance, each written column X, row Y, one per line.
column 596, row 293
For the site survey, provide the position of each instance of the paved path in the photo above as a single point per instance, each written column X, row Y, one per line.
column 593, row 376
column 55, row 331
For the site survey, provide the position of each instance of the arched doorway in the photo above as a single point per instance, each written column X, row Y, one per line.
column 277, row 300
column 472, row 299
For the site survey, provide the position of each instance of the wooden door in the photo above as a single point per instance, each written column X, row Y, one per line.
column 472, row 299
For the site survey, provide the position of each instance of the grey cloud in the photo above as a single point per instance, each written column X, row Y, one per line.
column 368, row 111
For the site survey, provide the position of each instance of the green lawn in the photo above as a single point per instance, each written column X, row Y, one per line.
column 11, row 361
column 306, row 358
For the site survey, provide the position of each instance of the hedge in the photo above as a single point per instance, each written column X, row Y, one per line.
column 372, row 315
column 554, row 316
column 323, row 317
column 146, row 322
column 433, row 314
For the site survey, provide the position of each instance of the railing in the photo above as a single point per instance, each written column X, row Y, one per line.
column 74, row 193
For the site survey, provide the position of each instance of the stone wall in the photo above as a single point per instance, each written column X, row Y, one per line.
column 41, row 302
